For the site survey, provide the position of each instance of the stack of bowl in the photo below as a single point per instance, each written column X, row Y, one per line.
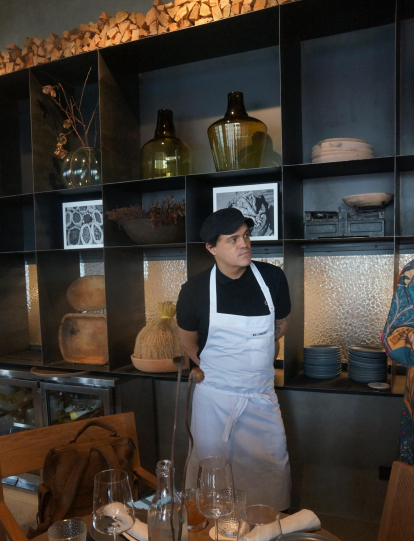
column 322, row 362
column 336, row 150
column 367, row 364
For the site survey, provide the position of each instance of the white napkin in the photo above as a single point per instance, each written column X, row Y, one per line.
column 303, row 521
column 138, row 531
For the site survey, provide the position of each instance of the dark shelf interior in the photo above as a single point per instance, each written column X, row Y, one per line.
column 17, row 224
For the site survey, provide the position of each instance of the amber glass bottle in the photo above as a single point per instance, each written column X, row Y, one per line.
column 165, row 155
column 237, row 140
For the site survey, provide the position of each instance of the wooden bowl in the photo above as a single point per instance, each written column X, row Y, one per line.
column 157, row 365
column 83, row 338
column 87, row 293
column 368, row 199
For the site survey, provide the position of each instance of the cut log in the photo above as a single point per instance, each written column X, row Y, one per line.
column 224, row 3
column 113, row 32
column 246, row 9
column 19, row 61
column 205, row 10
column 93, row 27
column 121, row 16
column 260, row 4
column 41, row 51
column 154, row 28
column 182, row 13
column 133, row 18
column 126, row 36
column 172, row 27
column 172, row 12
column 38, row 40
column 226, row 11
column 161, row 29
column 195, row 13
column 140, row 19
column 35, row 48
column 6, row 55
column 217, row 14
column 104, row 16
column 157, row 3
column 185, row 23
column 123, row 27
column 143, row 33
column 178, row 3
column 151, row 16
column 135, row 35
column 169, row 5
column 25, row 51
column 161, row 8
column 28, row 42
column 164, row 19
column 83, row 27
column 78, row 46
column 66, row 53
column 112, row 23
column 213, row 3
column 65, row 34
column 13, row 47
column 204, row 20
column 3, row 71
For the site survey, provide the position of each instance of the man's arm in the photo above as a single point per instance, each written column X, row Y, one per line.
column 189, row 343
column 281, row 327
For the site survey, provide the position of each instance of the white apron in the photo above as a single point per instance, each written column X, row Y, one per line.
column 235, row 409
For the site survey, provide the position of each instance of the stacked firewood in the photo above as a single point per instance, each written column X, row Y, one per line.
column 125, row 26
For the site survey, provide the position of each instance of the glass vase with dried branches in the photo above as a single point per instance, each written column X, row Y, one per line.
column 81, row 167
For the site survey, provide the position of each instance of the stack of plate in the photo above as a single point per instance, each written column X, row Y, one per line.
column 322, row 362
column 366, row 364
column 336, row 150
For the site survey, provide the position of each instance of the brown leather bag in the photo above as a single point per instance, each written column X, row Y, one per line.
column 68, row 475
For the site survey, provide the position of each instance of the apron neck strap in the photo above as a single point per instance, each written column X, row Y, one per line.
column 259, row 278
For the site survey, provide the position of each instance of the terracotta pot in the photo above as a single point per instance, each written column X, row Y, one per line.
column 83, row 338
column 143, row 232
column 87, row 293
column 157, row 365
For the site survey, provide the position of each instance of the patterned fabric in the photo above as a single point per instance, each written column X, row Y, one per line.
column 398, row 343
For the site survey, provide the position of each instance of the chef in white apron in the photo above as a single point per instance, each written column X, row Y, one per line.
column 235, row 409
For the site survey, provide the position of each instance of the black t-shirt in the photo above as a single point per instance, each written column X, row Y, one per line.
column 242, row 297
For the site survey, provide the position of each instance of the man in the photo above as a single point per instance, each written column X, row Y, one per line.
column 229, row 318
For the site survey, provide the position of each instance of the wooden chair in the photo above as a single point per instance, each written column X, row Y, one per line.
column 26, row 451
column 397, row 522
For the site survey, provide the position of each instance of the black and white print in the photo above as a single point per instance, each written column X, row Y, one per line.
column 82, row 224
column 257, row 201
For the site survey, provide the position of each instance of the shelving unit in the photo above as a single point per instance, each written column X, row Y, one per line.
column 310, row 70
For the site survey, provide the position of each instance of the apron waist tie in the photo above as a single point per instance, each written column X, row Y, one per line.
column 239, row 407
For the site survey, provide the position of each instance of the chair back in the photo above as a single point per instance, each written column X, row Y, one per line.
column 26, row 451
column 397, row 522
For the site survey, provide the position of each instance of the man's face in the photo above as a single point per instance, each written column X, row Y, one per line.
column 233, row 250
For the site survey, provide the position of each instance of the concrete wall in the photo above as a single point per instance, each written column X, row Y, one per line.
column 336, row 444
column 19, row 19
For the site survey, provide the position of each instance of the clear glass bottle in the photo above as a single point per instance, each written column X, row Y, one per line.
column 237, row 141
column 165, row 155
column 161, row 508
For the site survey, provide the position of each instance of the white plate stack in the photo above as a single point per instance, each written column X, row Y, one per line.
column 336, row 150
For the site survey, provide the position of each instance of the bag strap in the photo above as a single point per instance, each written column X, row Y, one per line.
column 107, row 451
column 110, row 428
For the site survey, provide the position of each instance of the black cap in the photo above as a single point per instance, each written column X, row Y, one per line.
column 223, row 222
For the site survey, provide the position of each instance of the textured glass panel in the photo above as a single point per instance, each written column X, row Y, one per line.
column 162, row 282
column 405, row 259
column 347, row 299
column 278, row 261
column 32, row 295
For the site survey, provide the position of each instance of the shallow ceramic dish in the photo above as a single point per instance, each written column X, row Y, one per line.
column 157, row 365
column 342, row 139
column 343, row 145
column 368, row 199
column 342, row 157
column 378, row 385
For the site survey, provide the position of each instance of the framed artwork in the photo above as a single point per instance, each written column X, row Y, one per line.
column 82, row 224
column 256, row 201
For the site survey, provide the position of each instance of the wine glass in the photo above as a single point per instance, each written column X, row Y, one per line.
column 113, row 510
column 215, row 488
column 258, row 523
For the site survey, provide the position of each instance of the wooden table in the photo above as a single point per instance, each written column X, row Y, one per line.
column 142, row 515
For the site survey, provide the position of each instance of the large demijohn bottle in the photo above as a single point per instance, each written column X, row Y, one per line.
column 237, row 141
column 165, row 155
column 161, row 508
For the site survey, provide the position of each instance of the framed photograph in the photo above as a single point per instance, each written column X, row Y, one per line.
column 82, row 224
column 256, row 201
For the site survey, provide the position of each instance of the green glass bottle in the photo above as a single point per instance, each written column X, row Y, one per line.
column 237, row 141
column 165, row 155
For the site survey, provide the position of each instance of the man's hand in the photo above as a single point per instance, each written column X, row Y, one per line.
column 281, row 326
column 189, row 343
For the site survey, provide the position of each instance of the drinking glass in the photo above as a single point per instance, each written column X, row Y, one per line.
column 215, row 494
column 259, row 523
column 73, row 529
column 113, row 510
column 228, row 525
column 196, row 522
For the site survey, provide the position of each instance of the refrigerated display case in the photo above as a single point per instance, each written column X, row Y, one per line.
column 20, row 405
